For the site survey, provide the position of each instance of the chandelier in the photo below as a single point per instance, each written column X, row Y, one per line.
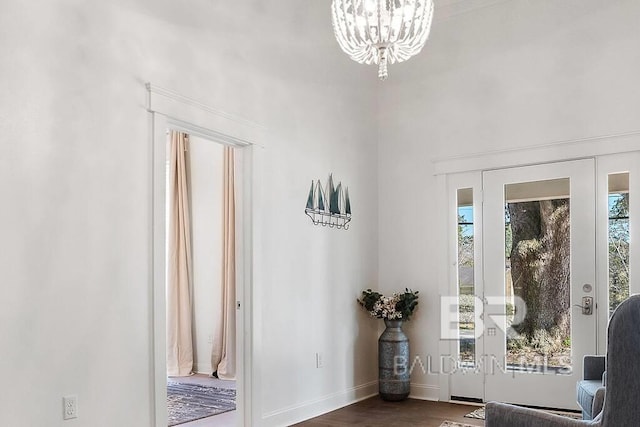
column 381, row 31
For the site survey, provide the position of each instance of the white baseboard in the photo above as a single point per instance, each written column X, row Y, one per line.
column 424, row 392
column 313, row 408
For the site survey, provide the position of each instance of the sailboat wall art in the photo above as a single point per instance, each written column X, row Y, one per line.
column 329, row 206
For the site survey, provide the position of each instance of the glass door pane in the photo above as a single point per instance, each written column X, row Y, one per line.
column 538, row 275
column 618, row 238
column 466, row 288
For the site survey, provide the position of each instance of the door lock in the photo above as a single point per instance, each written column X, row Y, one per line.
column 587, row 306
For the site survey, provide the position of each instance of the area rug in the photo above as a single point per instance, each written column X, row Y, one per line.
column 479, row 414
column 188, row 402
column 455, row 424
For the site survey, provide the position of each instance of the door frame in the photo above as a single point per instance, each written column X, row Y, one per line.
column 594, row 146
column 170, row 110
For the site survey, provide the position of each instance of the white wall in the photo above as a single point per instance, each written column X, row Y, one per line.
column 205, row 185
column 516, row 74
column 75, row 167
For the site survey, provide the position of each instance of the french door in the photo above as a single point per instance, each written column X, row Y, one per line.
column 539, row 281
column 540, row 256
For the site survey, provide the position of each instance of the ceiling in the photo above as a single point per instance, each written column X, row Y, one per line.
column 445, row 9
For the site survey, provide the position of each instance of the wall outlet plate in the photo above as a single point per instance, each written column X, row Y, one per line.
column 319, row 360
column 70, row 407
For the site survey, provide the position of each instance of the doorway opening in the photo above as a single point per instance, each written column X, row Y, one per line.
column 201, row 263
column 244, row 157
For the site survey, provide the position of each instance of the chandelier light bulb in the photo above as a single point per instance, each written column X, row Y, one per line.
column 381, row 31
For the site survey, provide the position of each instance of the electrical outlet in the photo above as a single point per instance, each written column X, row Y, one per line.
column 319, row 360
column 70, row 407
column 210, row 339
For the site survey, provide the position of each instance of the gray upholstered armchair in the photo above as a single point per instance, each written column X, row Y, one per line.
column 622, row 396
column 590, row 391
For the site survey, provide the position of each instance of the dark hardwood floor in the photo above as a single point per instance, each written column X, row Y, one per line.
column 411, row 412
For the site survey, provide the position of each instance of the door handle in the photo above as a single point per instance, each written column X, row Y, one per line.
column 587, row 306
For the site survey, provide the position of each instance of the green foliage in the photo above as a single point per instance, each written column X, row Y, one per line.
column 369, row 298
column 545, row 342
column 541, row 342
column 398, row 306
column 516, row 344
column 510, row 309
column 407, row 303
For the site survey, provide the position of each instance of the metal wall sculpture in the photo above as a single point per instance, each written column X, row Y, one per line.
column 329, row 206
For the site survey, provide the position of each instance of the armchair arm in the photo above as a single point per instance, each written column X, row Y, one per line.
column 598, row 402
column 593, row 367
column 503, row 415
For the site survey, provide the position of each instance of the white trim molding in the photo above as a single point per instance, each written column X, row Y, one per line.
column 316, row 407
column 203, row 120
column 424, row 392
column 169, row 110
column 574, row 149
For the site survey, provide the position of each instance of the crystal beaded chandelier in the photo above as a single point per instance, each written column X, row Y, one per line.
column 381, row 31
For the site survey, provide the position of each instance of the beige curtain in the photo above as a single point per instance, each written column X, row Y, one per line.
column 179, row 338
column 223, row 357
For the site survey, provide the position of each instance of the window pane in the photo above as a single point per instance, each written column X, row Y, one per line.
column 465, row 275
column 537, row 275
column 618, row 239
